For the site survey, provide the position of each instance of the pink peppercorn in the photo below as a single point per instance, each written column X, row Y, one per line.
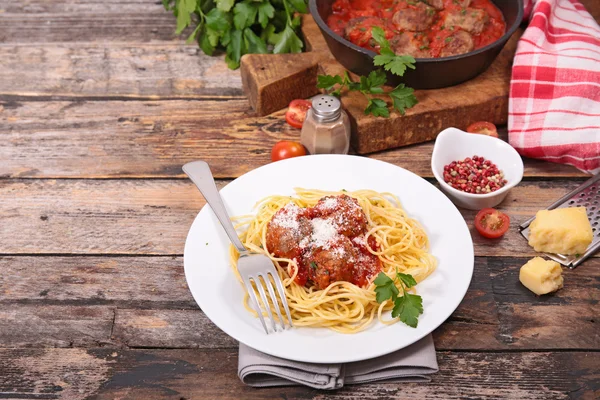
column 474, row 175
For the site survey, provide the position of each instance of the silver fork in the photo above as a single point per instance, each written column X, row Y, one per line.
column 252, row 266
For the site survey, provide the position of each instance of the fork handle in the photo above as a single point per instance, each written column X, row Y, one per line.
column 199, row 173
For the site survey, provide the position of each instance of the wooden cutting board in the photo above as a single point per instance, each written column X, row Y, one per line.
column 271, row 81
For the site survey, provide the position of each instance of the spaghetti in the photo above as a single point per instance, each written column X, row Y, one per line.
column 398, row 242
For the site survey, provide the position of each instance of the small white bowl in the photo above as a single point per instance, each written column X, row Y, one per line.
column 454, row 145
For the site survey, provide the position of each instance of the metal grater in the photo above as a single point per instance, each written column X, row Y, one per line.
column 586, row 195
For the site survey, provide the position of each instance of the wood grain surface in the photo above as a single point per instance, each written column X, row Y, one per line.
column 67, row 216
column 153, row 139
column 114, row 373
column 86, row 301
column 100, row 106
column 120, row 70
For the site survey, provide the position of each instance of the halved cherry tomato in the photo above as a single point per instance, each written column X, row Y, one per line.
column 491, row 223
column 483, row 128
column 297, row 112
column 285, row 149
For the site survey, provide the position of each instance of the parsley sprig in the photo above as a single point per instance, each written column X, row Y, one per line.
column 407, row 307
column 240, row 26
column 402, row 97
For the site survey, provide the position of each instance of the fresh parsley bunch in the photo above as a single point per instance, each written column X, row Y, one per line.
column 241, row 27
column 407, row 307
column 402, row 97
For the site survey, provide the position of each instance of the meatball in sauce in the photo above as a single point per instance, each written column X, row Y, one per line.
column 420, row 28
column 327, row 242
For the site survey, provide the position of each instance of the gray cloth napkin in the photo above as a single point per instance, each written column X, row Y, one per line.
column 411, row 364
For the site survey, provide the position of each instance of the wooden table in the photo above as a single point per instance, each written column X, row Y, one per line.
column 100, row 105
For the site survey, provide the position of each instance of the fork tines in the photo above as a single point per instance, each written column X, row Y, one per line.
column 260, row 281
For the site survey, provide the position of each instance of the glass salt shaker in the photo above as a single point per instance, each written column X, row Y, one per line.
column 326, row 129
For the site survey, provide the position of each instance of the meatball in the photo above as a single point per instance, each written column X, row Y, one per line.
column 459, row 42
column 415, row 18
column 472, row 20
column 437, row 4
column 463, row 3
column 286, row 229
column 336, row 263
column 345, row 212
column 407, row 43
column 358, row 31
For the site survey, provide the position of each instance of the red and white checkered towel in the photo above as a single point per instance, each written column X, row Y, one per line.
column 554, row 106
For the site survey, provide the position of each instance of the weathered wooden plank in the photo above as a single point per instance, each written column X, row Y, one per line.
column 121, row 281
column 154, row 216
column 43, row 21
column 176, row 374
column 497, row 312
column 100, row 139
column 168, row 329
column 531, row 325
column 135, row 139
column 131, row 70
column 97, row 217
column 54, row 326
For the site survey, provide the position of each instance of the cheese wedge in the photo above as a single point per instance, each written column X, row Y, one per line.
column 541, row 276
column 561, row 231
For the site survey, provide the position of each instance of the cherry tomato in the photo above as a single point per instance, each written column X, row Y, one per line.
column 297, row 112
column 483, row 128
column 285, row 149
column 491, row 223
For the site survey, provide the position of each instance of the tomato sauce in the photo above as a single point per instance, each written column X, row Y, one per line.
column 442, row 19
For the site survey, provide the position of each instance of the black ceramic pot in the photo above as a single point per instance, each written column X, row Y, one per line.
column 430, row 73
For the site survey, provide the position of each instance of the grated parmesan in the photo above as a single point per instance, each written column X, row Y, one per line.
column 330, row 203
column 324, row 231
column 359, row 240
column 288, row 217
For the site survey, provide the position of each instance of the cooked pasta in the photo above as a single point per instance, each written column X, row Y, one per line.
column 389, row 242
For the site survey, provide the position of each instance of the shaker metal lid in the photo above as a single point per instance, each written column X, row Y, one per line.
column 326, row 108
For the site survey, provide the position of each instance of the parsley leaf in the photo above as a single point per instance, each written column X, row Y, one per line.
column 383, row 59
column 265, row 12
column 378, row 108
column 327, row 82
column 234, row 50
column 376, row 79
column 184, row 10
column 379, row 36
column 398, row 65
column 385, row 288
column 253, row 43
column 244, row 14
column 193, row 35
column 387, row 59
column 408, row 308
column 299, row 5
column 406, row 279
column 218, row 20
column 224, row 5
column 207, row 40
column 287, row 42
column 403, row 98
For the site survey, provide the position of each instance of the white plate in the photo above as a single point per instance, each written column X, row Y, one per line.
column 219, row 294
